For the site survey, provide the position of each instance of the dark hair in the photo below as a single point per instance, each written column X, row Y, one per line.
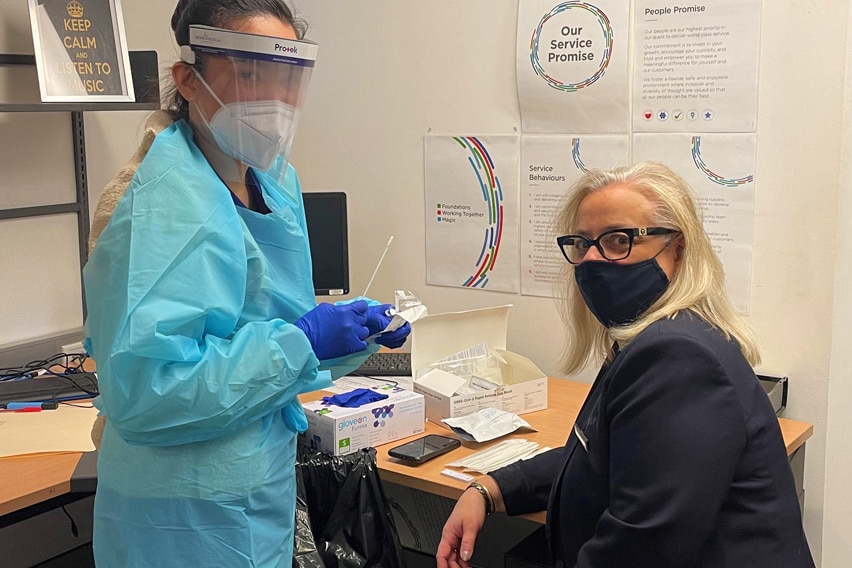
column 218, row 14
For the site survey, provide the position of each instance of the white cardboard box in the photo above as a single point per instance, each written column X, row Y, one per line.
column 435, row 337
column 339, row 431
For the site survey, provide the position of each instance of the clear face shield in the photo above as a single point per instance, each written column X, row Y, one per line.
column 259, row 83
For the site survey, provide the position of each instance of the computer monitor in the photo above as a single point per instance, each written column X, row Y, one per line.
column 327, row 232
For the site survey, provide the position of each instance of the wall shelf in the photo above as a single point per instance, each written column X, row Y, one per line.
column 146, row 85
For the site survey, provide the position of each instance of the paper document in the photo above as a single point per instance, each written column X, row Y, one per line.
column 67, row 429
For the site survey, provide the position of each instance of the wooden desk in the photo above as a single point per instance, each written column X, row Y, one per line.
column 29, row 480
column 564, row 399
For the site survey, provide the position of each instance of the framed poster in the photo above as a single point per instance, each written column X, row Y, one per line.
column 81, row 51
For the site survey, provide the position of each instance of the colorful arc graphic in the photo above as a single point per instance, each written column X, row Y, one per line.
column 606, row 28
column 492, row 193
column 575, row 154
column 711, row 175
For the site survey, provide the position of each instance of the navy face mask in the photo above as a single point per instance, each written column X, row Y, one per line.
column 619, row 293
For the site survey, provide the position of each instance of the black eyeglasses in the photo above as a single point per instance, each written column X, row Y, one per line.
column 615, row 244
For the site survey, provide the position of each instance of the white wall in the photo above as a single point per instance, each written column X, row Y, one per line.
column 390, row 71
column 837, row 535
column 798, row 172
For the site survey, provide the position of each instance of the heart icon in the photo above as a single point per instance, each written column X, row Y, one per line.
column 648, row 115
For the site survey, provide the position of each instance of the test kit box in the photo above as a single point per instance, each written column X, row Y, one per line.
column 434, row 337
column 339, row 431
column 524, row 390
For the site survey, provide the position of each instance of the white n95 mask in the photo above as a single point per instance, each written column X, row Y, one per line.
column 254, row 132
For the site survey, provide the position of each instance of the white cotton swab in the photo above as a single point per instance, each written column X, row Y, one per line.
column 370, row 283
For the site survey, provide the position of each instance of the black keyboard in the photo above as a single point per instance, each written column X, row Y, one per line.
column 386, row 364
column 49, row 388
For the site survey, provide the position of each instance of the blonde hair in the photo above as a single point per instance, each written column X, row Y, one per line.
column 698, row 285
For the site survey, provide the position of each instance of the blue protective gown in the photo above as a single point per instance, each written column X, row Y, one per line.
column 190, row 300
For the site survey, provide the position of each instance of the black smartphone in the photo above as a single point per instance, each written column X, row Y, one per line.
column 424, row 448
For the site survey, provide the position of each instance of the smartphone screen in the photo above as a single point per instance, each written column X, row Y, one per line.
column 424, row 448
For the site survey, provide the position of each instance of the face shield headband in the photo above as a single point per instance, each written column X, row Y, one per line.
column 259, row 83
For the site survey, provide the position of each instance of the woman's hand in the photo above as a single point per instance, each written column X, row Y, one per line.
column 336, row 330
column 463, row 525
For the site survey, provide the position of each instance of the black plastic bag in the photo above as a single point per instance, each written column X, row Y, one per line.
column 351, row 525
column 305, row 554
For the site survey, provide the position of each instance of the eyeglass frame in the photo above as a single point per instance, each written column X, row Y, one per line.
column 631, row 234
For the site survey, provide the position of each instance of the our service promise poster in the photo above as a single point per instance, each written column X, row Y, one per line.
column 572, row 66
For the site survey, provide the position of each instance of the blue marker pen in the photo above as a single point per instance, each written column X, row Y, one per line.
column 22, row 405
column 26, row 405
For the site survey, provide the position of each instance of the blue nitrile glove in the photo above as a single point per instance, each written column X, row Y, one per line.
column 336, row 330
column 354, row 398
column 378, row 318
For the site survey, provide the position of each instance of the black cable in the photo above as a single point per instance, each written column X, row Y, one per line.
column 74, row 530
column 412, row 527
column 66, row 403
column 68, row 362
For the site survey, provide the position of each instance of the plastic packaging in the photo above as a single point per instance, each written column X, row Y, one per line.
column 477, row 361
column 405, row 299
column 486, row 424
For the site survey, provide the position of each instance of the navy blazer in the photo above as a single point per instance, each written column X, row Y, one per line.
column 676, row 460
